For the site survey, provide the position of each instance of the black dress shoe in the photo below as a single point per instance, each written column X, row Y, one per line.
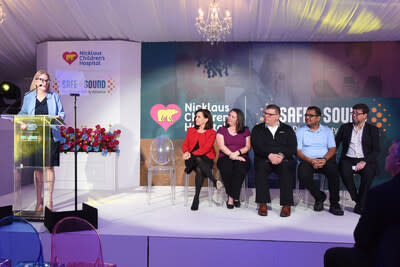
column 319, row 204
column 357, row 208
column 229, row 206
column 335, row 209
column 236, row 203
column 195, row 204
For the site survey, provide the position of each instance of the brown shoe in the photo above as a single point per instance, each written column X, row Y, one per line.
column 262, row 209
column 285, row 212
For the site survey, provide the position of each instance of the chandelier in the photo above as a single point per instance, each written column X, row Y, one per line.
column 214, row 28
column 2, row 14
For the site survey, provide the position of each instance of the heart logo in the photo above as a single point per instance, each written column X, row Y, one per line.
column 70, row 57
column 165, row 116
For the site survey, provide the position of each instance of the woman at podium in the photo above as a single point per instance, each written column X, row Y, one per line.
column 40, row 101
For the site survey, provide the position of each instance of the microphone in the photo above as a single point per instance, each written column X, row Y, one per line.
column 27, row 93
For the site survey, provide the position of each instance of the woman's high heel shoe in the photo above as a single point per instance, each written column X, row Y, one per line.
column 39, row 207
column 39, row 204
column 49, row 204
column 229, row 206
column 195, row 204
column 236, row 203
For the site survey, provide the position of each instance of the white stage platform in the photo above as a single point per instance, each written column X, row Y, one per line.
column 134, row 233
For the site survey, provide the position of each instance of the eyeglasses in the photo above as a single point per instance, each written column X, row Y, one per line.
column 311, row 115
column 357, row 114
column 269, row 114
column 43, row 80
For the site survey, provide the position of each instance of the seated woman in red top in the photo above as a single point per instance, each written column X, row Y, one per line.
column 198, row 151
column 233, row 141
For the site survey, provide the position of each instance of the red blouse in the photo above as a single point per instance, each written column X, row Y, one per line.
column 206, row 142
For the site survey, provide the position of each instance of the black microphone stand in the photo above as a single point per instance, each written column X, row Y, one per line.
column 75, row 153
column 88, row 213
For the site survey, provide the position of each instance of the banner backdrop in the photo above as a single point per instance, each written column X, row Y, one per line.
column 179, row 78
column 106, row 74
column 91, row 69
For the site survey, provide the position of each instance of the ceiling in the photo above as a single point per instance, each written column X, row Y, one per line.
column 29, row 22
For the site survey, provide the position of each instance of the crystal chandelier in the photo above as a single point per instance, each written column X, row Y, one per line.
column 214, row 28
column 2, row 14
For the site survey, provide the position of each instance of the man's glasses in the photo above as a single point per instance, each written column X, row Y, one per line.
column 311, row 115
column 43, row 80
column 269, row 114
column 357, row 114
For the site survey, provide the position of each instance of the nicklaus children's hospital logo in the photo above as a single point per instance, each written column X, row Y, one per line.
column 165, row 116
column 86, row 58
column 70, row 57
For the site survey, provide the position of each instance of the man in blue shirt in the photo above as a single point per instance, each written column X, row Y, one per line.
column 316, row 149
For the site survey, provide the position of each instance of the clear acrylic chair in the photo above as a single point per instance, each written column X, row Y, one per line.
column 322, row 181
column 75, row 243
column 161, row 159
column 346, row 198
column 20, row 243
column 244, row 196
column 322, row 185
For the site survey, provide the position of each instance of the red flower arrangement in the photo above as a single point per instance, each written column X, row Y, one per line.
column 90, row 140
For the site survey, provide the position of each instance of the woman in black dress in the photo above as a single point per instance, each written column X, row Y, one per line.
column 39, row 101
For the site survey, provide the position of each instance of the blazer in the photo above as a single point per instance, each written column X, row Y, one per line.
column 369, row 141
column 206, row 142
column 54, row 107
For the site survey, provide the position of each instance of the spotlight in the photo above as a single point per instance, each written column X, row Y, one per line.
column 5, row 87
column 10, row 98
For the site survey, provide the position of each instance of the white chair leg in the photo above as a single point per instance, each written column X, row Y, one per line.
column 297, row 191
column 210, row 192
column 306, row 193
column 185, row 192
column 222, row 196
column 244, row 191
column 173, row 185
column 322, row 182
column 343, row 198
column 149, row 183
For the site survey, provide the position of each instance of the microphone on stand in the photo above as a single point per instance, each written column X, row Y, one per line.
column 40, row 85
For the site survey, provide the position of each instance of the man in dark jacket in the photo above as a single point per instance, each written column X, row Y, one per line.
column 360, row 142
column 274, row 144
column 376, row 235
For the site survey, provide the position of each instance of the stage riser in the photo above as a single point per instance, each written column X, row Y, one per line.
column 128, row 251
column 218, row 252
column 121, row 250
